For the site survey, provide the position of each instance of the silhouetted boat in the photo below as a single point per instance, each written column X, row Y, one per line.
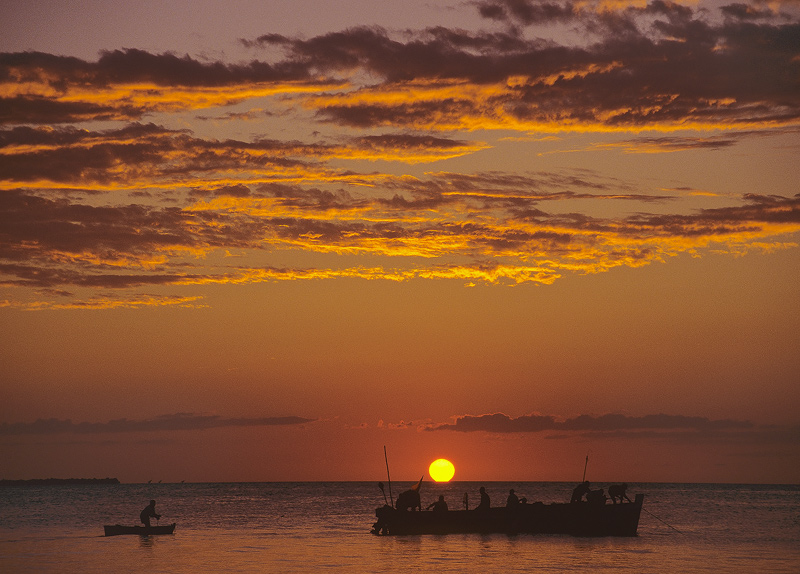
column 118, row 529
column 596, row 518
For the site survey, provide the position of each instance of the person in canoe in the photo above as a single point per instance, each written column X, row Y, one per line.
column 148, row 512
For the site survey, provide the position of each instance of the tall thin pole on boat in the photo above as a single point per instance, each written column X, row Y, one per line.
column 584, row 467
column 386, row 458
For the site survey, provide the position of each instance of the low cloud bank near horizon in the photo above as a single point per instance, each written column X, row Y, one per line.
column 502, row 423
column 174, row 422
column 677, row 429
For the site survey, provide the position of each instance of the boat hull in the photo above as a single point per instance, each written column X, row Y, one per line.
column 118, row 529
column 576, row 519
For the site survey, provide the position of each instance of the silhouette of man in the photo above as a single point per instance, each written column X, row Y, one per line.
column 580, row 490
column 512, row 499
column 617, row 491
column 147, row 512
column 484, row 503
column 440, row 505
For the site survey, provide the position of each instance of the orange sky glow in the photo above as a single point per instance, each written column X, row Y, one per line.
column 504, row 233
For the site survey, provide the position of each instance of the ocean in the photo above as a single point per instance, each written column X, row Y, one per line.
column 325, row 527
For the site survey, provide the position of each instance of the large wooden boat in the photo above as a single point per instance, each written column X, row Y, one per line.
column 596, row 518
column 118, row 529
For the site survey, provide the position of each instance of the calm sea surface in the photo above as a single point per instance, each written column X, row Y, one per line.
column 324, row 527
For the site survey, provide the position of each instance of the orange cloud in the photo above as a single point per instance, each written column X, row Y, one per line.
column 136, row 206
column 103, row 303
column 493, row 232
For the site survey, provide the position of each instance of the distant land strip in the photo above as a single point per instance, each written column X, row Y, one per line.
column 57, row 482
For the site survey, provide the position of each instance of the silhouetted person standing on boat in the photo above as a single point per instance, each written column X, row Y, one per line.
column 580, row 491
column 484, row 503
column 512, row 500
column 147, row 512
column 617, row 491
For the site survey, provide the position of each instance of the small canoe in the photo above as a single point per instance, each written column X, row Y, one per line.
column 118, row 529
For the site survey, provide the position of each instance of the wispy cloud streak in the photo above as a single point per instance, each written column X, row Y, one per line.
column 175, row 422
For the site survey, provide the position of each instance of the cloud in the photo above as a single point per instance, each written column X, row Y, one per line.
column 410, row 148
column 501, row 423
column 669, row 144
column 36, row 87
column 92, row 218
column 401, row 425
column 673, row 429
column 147, row 156
column 591, row 13
column 39, row 109
column 488, row 227
column 174, row 422
column 528, row 12
column 662, row 66
column 103, row 303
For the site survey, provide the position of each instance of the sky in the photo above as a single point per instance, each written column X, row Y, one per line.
column 261, row 241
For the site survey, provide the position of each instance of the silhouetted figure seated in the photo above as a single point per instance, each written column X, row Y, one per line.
column 409, row 499
column 147, row 512
column 512, row 501
column 484, row 503
column 617, row 491
column 438, row 506
column 596, row 496
column 580, row 491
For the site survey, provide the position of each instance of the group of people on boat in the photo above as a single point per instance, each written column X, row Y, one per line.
column 398, row 515
column 440, row 505
column 617, row 493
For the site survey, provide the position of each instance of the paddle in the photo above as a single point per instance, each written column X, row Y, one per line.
column 380, row 485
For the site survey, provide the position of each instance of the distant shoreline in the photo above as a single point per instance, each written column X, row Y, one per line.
column 57, row 482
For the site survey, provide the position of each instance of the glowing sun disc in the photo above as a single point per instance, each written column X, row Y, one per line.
column 441, row 470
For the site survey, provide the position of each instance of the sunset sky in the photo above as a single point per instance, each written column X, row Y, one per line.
column 260, row 240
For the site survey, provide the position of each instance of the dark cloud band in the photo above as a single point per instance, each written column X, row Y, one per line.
column 176, row 422
column 501, row 423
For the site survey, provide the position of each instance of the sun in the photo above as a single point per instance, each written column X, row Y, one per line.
column 441, row 470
